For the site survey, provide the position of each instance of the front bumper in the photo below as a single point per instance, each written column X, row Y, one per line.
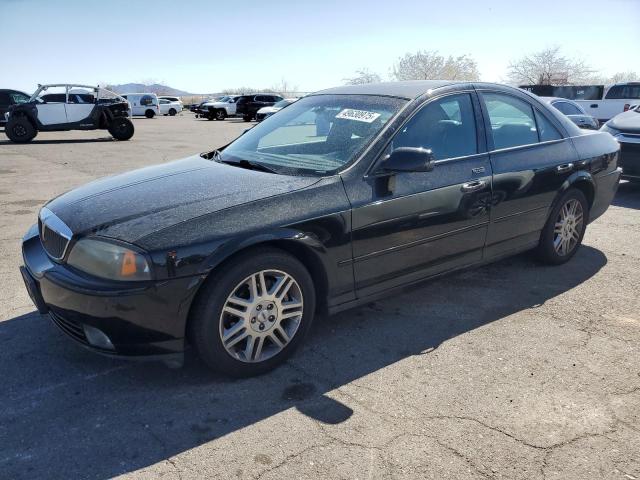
column 630, row 156
column 134, row 320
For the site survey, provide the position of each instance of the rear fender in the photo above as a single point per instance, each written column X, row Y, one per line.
column 581, row 180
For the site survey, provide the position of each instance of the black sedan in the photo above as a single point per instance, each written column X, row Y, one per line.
column 574, row 112
column 625, row 127
column 9, row 98
column 345, row 196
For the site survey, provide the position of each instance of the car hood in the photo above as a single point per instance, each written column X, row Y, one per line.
column 627, row 122
column 138, row 203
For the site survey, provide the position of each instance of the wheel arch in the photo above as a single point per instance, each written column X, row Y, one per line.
column 18, row 113
column 580, row 180
column 304, row 248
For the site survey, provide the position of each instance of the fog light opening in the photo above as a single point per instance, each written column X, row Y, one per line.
column 97, row 338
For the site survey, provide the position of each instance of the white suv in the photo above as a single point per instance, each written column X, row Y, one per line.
column 220, row 109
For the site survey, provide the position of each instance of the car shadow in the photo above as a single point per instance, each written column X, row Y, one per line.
column 62, row 141
column 68, row 413
column 628, row 195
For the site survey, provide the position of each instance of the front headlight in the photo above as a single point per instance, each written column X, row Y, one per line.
column 607, row 128
column 109, row 260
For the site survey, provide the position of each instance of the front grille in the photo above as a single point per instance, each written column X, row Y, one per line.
column 630, row 158
column 71, row 328
column 54, row 234
column 54, row 243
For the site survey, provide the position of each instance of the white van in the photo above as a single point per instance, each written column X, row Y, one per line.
column 146, row 104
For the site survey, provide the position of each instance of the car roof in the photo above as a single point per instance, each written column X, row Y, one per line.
column 556, row 99
column 407, row 89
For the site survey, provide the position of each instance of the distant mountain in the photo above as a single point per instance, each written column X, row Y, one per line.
column 142, row 88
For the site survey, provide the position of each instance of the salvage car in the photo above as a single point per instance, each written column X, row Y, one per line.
column 265, row 112
column 247, row 106
column 574, row 112
column 168, row 107
column 63, row 107
column 625, row 128
column 10, row 97
column 348, row 195
column 219, row 108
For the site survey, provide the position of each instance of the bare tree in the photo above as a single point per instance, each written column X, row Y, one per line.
column 284, row 88
column 549, row 67
column 624, row 77
column 362, row 76
column 430, row 65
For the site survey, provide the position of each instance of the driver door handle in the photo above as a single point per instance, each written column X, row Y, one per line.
column 473, row 186
column 567, row 167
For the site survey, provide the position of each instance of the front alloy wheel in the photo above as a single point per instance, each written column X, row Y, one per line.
column 261, row 316
column 252, row 312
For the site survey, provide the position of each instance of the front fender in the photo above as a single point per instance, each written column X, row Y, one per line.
column 278, row 236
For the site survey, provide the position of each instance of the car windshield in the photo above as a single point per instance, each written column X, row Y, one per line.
column 316, row 135
column 282, row 103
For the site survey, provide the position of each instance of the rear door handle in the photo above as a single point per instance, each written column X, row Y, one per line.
column 473, row 186
column 593, row 105
column 567, row 167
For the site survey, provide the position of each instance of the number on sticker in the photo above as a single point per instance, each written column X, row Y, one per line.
column 358, row 115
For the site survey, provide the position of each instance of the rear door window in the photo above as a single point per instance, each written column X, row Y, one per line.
column 512, row 121
column 546, row 129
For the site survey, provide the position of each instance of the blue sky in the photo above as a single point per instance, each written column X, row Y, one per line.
column 205, row 46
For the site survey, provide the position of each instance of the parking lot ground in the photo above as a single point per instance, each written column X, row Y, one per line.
column 513, row 370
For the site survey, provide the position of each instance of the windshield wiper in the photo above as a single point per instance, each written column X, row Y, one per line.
column 212, row 155
column 248, row 165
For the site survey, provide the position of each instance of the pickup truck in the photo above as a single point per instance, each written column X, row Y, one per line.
column 616, row 99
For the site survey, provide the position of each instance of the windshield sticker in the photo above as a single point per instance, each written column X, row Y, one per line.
column 358, row 115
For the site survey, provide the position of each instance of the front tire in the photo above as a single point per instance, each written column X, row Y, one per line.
column 221, row 114
column 121, row 128
column 253, row 313
column 172, row 112
column 20, row 130
column 562, row 234
column 149, row 114
column 246, row 118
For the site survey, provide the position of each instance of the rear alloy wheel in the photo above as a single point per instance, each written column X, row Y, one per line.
column 565, row 228
column 121, row 128
column 149, row 114
column 221, row 114
column 172, row 112
column 251, row 315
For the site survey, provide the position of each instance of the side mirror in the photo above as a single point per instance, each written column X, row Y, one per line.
column 409, row 159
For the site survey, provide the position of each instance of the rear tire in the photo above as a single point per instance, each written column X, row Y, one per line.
column 270, row 321
column 149, row 114
column 172, row 112
column 562, row 234
column 121, row 128
column 246, row 118
column 20, row 130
